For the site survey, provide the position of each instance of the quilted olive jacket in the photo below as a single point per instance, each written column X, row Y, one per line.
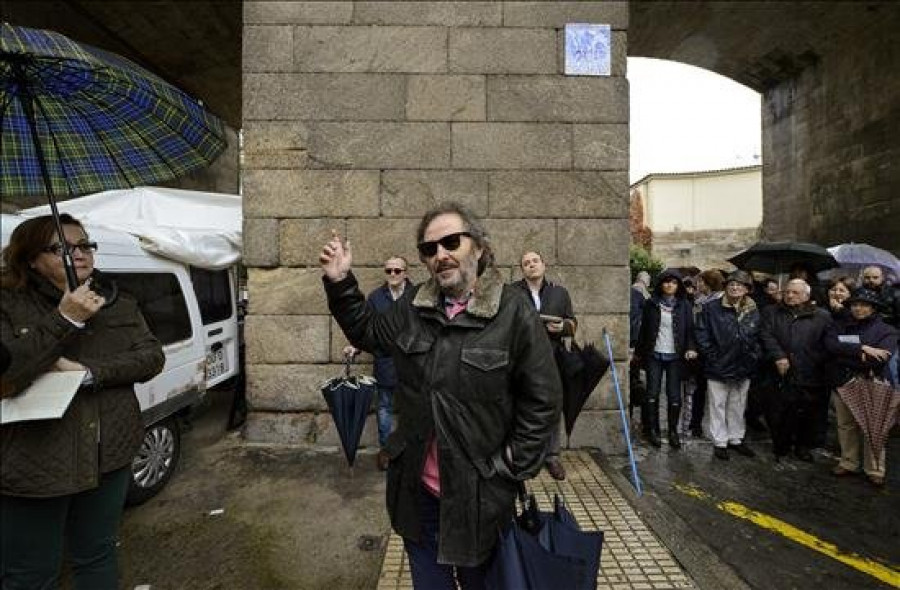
column 101, row 430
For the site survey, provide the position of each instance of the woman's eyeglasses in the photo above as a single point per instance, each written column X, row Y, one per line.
column 85, row 247
column 394, row 271
column 450, row 242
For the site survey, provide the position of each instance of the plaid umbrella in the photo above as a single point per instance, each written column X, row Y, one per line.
column 874, row 405
column 76, row 120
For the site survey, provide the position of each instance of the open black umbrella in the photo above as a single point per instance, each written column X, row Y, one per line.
column 580, row 370
column 779, row 257
column 349, row 398
column 76, row 120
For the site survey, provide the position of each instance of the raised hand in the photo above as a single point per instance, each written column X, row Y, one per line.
column 336, row 258
column 81, row 304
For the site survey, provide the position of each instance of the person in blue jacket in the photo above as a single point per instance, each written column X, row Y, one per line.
column 394, row 286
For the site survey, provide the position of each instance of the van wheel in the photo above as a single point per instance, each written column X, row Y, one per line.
column 155, row 461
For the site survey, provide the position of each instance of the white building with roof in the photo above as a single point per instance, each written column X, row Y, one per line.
column 701, row 218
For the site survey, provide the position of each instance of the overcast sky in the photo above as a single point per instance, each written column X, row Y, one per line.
column 685, row 119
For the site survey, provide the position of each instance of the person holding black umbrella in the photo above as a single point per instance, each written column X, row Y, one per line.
column 477, row 395
column 554, row 305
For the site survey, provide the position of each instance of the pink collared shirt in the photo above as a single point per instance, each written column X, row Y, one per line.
column 431, row 472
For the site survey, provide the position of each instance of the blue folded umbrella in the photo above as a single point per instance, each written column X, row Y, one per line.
column 542, row 550
column 349, row 399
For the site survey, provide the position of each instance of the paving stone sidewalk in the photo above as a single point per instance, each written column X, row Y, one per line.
column 633, row 557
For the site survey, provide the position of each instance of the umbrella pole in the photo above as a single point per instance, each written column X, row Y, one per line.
column 28, row 106
column 625, row 428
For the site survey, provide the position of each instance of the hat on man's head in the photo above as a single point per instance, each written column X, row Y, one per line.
column 740, row 276
column 863, row 295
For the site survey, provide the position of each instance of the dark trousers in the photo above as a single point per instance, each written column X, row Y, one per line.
column 793, row 418
column 385, row 414
column 672, row 370
column 427, row 573
column 35, row 530
column 698, row 405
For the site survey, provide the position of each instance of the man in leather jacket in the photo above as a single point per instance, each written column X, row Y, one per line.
column 476, row 398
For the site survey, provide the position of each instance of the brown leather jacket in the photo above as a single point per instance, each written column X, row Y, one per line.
column 101, row 430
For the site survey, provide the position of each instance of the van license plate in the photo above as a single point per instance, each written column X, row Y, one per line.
column 216, row 364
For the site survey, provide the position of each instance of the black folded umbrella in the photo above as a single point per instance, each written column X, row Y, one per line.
column 349, row 398
column 545, row 550
column 580, row 370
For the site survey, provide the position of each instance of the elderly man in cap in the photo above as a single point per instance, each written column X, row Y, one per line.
column 727, row 333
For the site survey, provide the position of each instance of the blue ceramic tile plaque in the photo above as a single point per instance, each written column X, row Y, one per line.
column 587, row 50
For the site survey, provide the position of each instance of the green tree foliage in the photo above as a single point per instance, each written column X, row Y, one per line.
column 640, row 259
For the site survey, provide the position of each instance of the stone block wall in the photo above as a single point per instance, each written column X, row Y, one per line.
column 831, row 146
column 359, row 116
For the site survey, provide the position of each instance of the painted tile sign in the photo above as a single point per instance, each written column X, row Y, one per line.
column 587, row 50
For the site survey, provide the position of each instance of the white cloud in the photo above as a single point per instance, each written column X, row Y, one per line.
column 685, row 118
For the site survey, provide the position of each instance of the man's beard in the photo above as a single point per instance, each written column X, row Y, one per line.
column 459, row 283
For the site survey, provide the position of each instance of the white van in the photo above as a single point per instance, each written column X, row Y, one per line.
column 193, row 313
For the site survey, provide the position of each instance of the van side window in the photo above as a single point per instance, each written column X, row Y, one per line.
column 213, row 290
column 161, row 301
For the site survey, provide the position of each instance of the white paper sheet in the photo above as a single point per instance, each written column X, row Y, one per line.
column 47, row 398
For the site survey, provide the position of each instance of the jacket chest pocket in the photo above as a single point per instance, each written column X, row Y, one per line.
column 416, row 351
column 483, row 373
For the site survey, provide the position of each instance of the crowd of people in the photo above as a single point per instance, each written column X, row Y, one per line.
column 734, row 352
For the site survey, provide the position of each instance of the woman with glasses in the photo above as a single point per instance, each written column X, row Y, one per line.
column 63, row 481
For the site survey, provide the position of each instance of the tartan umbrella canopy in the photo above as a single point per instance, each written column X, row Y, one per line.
column 76, row 120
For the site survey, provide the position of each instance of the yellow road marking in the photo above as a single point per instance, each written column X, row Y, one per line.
column 885, row 573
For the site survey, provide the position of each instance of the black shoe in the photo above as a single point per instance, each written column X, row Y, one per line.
column 696, row 432
column 756, row 425
column 382, row 460
column 720, row 453
column 742, row 449
column 674, row 413
column 804, row 455
column 674, row 440
column 653, row 439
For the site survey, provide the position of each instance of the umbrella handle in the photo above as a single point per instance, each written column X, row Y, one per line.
column 348, row 360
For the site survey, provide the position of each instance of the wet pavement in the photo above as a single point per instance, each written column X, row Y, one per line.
column 776, row 525
column 301, row 519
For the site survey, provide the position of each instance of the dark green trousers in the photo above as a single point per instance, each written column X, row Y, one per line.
column 34, row 531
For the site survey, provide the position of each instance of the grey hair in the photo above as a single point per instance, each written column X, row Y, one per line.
column 473, row 225
column 806, row 288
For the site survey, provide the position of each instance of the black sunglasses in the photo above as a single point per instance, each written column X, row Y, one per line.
column 85, row 247
column 394, row 271
column 450, row 242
